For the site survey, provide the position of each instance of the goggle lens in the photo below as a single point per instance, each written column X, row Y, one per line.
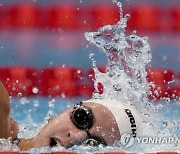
column 81, row 119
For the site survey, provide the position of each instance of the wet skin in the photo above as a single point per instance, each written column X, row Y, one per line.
column 61, row 130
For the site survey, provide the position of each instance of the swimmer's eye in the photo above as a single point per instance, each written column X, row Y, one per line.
column 53, row 142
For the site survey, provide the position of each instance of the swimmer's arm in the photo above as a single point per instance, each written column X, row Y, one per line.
column 8, row 127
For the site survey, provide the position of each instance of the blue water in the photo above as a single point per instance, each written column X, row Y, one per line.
column 39, row 108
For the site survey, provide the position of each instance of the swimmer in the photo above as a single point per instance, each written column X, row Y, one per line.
column 93, row 122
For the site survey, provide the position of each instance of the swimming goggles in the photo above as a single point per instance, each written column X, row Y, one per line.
column 82, row 118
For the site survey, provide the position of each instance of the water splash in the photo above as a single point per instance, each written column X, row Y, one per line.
column 127, row 57
column 125, row 77
column 6, row 146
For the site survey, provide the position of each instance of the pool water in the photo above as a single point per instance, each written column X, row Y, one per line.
column 38, row 107
column 32, row 112
column 125, row 76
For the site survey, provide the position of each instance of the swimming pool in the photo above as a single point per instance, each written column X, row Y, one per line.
column 33, row 112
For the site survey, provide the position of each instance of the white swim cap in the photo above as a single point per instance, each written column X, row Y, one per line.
column 127, row 118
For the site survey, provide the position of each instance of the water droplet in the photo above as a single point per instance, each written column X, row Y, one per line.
column 19, row 94
column 91, row 55
column 36, row 103
column 98, row 128
column 51, row 103
column 165, row 123
column 35, row 90
column 127, row 16
column 78, row 71
column 134, row 32
column 160, row 106
column 63, row 95
column 168, row 100
column 147, row 115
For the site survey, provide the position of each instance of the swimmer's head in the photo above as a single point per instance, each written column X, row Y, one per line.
column 127, row 118
column 83, row 123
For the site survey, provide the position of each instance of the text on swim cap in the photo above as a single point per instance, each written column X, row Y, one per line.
column 132, row 121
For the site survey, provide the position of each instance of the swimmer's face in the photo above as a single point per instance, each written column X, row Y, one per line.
column 60, row 130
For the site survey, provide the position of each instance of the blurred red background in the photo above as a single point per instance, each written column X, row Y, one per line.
column 43, row 50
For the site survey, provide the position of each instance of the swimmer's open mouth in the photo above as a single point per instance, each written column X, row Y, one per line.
column 53, row 142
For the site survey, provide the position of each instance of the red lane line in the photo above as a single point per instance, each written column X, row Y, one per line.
column 71, row 16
